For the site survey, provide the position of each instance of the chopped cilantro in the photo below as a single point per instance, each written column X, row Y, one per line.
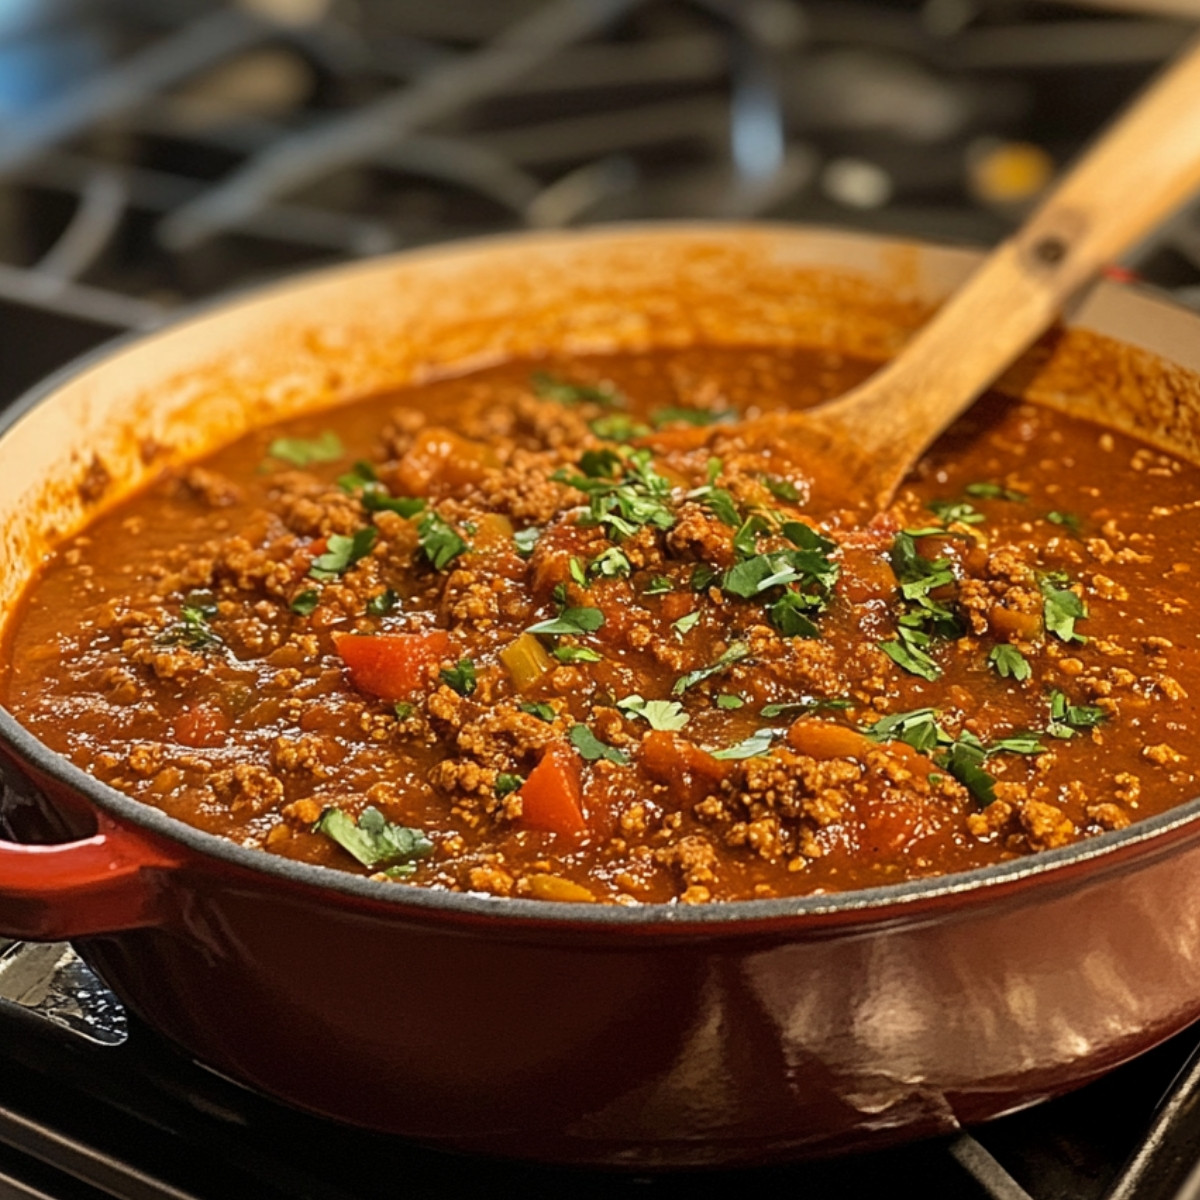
column 376, row 498
column 381, row 605
column 685, row 623
column 374, row 840
column 721, row 504
column 756, row 744
column 576, row 654
column 611, row 564
column 506, row 784
column 539, row 709
column 342, row 552
column 618, row 427
column 703, row 577
column 357, row 477
column 624, row 491
column 403, row 709
column 781, row 489
column 526, row 539
column 440, row 544
column 736, row 652
column 993, row 491
column 809, row 568
column 460, row 677
column 325, row 447
column 918, row 728
column 192, row 630
column 659, row 585
column 788, row 616
column 550, row 387
column 692, row 416
column 571, row 620
column 592, row 748
column 1061, row 608
column 806, row 537
column 577, row 573
column 955, row 512
column 907, row 651
column 304, row 604
column 1068, row 520
column 1067, row 719
column 728, row 701
column 964, row 760
column 1009, row 663
column 659, row 714
column 801, row 706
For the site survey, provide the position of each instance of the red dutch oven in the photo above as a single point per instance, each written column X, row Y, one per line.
column 648, row 1036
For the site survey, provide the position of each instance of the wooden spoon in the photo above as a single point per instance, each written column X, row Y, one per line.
column 859, row 447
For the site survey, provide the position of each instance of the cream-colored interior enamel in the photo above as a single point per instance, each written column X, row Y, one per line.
column 367, row 327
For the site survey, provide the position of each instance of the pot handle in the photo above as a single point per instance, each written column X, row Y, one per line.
column 100, row 884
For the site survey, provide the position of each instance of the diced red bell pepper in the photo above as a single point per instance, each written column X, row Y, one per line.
column 391, row 665
column 552, row 796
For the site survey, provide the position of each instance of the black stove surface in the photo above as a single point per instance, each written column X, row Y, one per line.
column 154, row 152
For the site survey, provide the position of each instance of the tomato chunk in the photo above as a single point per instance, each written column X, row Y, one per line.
column 552, row 796
column 391, row 665
column 202, row 727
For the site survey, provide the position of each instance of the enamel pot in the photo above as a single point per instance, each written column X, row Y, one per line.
column 647, row 1036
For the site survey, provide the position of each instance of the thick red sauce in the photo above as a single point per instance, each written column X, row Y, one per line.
column 566, row 646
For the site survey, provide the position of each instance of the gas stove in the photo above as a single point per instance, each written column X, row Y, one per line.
column 157, row 152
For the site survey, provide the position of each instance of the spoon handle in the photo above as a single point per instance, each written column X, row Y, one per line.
column 1135, row 175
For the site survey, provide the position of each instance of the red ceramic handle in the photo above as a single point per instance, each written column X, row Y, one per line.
column 101, row 884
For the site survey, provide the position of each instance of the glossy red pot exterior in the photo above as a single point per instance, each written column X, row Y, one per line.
column 635, row 1036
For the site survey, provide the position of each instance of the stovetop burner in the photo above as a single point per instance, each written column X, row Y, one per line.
column 153, row 152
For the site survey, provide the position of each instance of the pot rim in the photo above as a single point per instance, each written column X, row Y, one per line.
column 891, row 901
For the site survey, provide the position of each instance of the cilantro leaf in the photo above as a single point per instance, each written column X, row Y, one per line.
column 305, row 603
column 703, row 577
column 736, row 652
column 300, row 452
column 506, row 784
column 374, row 840
column 781, row 489
column 907, row 652
column 1061, row 608
column 357, row 477
column 574, row 654
column 570, row 620
column 592, row 748
column 918, row 728
column 788, row 616
column 526, row 539
column 692, row 416
column 440, row 544
column 1009, row 663
column 964, row 760
column 547, row 386
column 955, row 512
column 1068, row 520
column 376, row 498
column 728, row 701
column 800, row 706
column 1067, row 719
column 993, row 491
column 659, row 714
column 539, row 709
column 758, row 743
column 659, row 585
column 342, row 552
column 381, row 605
column 192, row 630
column 685, row 623
column 618, row 427
column 624, row 491
column 611, row 564
column 460, row 677
column 403, row 709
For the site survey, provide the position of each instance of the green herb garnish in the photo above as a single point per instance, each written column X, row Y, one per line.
column 1061, row 608
column 305, row 603
column 756, row 744
column 342, row 552
column 993, row 491
column 659, row 714
column 570, row 620
column 1009, row 663
column 692, row 416
column 728, row 701
column 381, row 605
column 736, row 652
column 659, row 585
column 1068, row 520
column 685, row 623
column 506, row 784
column 440, row 544
column 460, row 677
column 592, row 748
column 1067, row 719
column 539, row 709
column 374, row 840
column 576, row 654
column 550, row 387
column 325, row 447
column 526, row 539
